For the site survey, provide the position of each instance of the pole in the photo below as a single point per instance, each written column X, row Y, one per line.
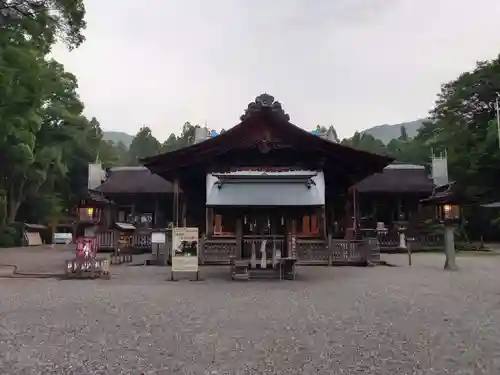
column 498, row 120
column 409, row 253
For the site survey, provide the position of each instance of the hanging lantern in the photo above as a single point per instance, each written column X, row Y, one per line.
column 282, row 220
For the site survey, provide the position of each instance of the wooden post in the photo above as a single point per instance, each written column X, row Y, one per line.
column 184, row 210
column 239, row 238
column 201, row 250
column 330, row 249
column 156, row 212
column 209, row 221
column 175, row 205
column 408, row 246
column 323, row 219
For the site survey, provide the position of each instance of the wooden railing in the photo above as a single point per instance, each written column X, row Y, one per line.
column 309, row 251
column 108, row 239
column 337, row 252
column 418, row 240
column 312, row 251
column 421, row 241
column 217, row 250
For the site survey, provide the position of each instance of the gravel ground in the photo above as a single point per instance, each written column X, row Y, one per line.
column 382, row 320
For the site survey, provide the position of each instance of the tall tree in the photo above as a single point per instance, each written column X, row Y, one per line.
column 464, row 126
column 25, row 86
column 143, row 145
column 171, row 144
column 404, row 134
column 39, row 158
column 366, row 142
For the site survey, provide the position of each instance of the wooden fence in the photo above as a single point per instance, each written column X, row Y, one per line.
column 389, row 241
column 309, row 251
column 108, row 240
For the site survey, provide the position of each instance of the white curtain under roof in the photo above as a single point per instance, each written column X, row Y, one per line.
column 291, row 188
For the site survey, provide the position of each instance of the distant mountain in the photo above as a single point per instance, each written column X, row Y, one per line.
column 116, row 137
column 387, row 132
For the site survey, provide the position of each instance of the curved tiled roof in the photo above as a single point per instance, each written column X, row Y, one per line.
column 398, row 178
column 130, row 180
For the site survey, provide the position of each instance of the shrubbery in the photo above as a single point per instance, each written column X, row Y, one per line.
column 11, row 235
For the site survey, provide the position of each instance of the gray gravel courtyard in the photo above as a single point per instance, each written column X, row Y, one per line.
column 382, row 320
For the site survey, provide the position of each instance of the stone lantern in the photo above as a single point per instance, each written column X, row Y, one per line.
column 401, row 227
column 448, row 213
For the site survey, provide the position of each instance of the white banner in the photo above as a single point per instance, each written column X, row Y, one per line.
column 185, row 250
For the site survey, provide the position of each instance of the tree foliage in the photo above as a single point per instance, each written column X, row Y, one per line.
column 44, row 21
column 143, row 145
column 46, row 142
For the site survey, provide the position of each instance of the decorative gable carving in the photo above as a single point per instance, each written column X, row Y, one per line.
column 265, row 102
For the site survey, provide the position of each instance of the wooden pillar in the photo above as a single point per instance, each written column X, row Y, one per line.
column 209, row 224
column 348, row 221
column 306, row 225
column 357, row 210
column 184, row 210
column 218, row 223
column 320, row 214
column 239, row 237
column 132, row 212
column 290, row 225
column 156, row 213
column 175, row 204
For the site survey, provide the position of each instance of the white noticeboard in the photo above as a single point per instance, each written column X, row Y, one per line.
column 158, row 237
column 185, row 250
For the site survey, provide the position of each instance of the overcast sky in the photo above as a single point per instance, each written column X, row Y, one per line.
column 350, row 63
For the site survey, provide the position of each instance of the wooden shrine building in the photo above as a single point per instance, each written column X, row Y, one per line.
column 266, row 179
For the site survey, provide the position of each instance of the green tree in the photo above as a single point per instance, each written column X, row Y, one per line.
column 46, row 142
column 44, row 21
column 171, row 144
column 143, row 145
column 26, row 82
column 61, row 148
column 366, row 142
column 122, row 153
column 464, row 126
column 404, row 134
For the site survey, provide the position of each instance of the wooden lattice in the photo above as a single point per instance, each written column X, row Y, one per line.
column 218, row 250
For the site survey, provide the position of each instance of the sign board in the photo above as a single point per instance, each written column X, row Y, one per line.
column 185, row 250
column 158, row 237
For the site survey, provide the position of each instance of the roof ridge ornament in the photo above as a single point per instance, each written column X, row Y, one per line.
column 262, row 102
